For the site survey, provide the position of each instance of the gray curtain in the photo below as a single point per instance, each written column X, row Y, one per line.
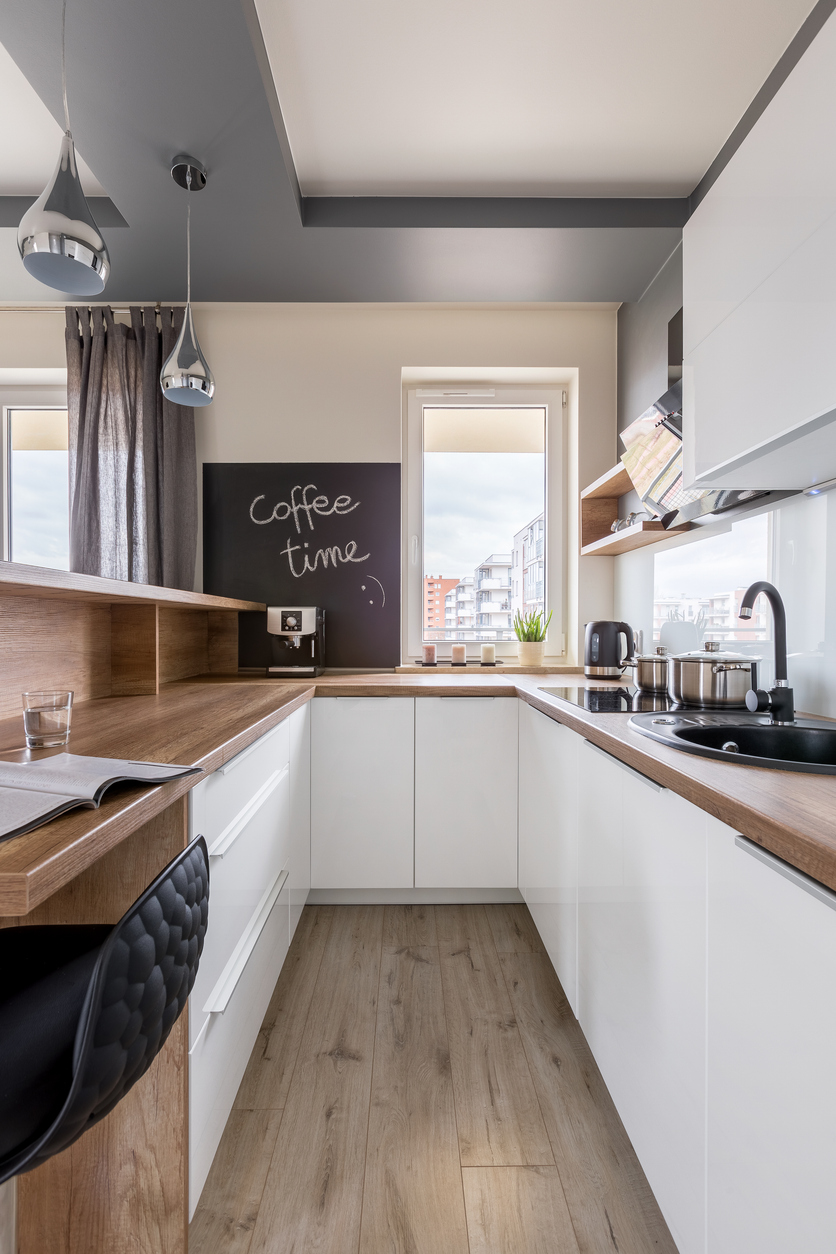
column 133, row 469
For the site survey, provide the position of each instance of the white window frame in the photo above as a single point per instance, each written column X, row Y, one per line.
column 552, row 398
column 19, row 396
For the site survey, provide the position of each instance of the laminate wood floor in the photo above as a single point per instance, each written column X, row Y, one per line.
column 421, row 1086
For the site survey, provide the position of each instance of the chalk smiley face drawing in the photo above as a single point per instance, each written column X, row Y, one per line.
column 382, row 595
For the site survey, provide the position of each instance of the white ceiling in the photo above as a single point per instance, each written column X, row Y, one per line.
column 30, row 137
column 528, row 98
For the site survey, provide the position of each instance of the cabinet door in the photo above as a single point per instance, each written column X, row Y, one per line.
column 362, row 792
column 548, row 835
column 466, row 792
column 771, row 1045
column 299, row 859
column 642, row 975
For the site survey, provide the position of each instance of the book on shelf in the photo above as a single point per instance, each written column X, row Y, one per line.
column 39, row 789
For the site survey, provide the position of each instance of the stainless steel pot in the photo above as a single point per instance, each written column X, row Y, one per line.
column 652, row 670
column 711, row 679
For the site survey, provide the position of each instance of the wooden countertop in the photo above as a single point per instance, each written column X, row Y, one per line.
column 205, row 722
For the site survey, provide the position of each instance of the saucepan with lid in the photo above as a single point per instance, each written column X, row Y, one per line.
column 652, row 670
column 711, row 678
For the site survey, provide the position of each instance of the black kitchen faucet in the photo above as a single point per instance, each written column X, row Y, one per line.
column 779, row 701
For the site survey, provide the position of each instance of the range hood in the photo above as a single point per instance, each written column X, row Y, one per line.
column 667, row 496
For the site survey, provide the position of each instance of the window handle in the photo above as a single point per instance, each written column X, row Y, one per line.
column 414, row 550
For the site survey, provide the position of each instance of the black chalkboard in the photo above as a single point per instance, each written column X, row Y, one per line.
column 309, row 533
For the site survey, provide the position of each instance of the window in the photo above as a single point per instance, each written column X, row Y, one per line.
column 477, row 478
column 37, row 486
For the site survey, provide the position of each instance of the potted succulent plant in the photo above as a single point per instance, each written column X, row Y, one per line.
column 530, row 630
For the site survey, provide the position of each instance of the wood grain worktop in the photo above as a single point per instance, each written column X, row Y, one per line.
column 206, row 721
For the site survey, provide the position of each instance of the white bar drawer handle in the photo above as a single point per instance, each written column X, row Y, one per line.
column 221, row 994
column 820, row 891
column 234, row 828
column 245, row 753
column 643, row 779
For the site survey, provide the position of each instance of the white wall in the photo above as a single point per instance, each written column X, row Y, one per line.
column 323, row 383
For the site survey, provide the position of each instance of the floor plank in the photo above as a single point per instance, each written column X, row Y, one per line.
column 226, row 1213
column 313, row 1194
column 513, row 929
column 409, row 925
column 457, row 926
column 266, row 1080
column 517, row 1210
column 497, row 1111
column 609, row 1199
column 413, row 1200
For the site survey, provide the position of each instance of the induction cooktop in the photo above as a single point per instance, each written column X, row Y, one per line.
column 617, row 699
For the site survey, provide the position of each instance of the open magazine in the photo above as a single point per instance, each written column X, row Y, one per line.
column 32, row 793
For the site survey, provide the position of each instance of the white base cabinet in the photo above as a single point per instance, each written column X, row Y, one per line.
column 771, row 1049
column 641, row 974
column 466, row 792
column 253, row 812
column 548, row 838
column 362, row 792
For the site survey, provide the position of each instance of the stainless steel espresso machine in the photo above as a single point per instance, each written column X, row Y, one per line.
column 297, row 640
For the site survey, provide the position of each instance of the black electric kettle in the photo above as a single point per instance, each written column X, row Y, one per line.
column 602, row 650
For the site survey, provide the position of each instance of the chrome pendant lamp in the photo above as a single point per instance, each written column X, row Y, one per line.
column 186, row 378
column 58, row 239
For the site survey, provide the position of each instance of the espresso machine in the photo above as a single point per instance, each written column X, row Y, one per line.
column 297, row 640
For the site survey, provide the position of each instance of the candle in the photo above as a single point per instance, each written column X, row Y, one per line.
column 488, row 653
column 458, row 653
column 428, row 655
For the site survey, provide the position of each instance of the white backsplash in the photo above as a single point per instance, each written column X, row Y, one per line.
column 801, row 562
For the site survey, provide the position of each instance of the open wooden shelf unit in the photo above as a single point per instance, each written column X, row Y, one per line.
column 599, row 510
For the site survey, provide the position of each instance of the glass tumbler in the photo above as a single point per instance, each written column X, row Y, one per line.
column 46, row 718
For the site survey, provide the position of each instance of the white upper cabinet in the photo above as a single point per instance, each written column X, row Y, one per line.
column 466, row 792
column 771, row 1044
column 759, row 296
column 549, row 838
column 362, row 792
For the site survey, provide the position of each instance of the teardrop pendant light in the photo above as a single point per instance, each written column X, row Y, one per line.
column 186, row 378
column 58, row 239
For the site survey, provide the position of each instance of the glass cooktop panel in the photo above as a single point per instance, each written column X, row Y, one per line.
column 615, row 700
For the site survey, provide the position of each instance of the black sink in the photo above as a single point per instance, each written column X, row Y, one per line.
column 807, row 745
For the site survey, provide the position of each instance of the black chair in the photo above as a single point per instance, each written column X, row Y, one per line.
column 84, row 1010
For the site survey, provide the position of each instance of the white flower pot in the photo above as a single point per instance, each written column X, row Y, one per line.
column 531, row 652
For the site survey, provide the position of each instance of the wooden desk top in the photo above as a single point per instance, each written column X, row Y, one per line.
column 205, row 722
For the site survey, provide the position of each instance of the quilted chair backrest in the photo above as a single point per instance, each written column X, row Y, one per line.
column 142, row 980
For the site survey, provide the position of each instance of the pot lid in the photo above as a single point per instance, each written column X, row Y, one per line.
column 712, row 652
column 659, row 654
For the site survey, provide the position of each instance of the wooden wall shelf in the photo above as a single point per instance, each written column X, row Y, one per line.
column 635, row 537
column 599, row 510
column 106, row 637
column 40, row 581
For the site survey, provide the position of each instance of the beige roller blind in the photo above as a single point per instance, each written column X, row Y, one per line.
column 492, row 430
column 38, row 429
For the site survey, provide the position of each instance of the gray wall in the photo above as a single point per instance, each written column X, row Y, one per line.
column 643, row 342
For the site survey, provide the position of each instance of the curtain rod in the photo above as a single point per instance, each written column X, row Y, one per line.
column 123, row 309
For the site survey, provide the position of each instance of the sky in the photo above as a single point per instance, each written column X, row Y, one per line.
column 40, row 508
column 718, row 563
column 474, row 503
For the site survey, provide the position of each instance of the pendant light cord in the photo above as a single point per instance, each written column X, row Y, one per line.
column 64, row 66
column 188, row 236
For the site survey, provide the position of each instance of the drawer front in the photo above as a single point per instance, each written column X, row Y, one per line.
column 219, row 1055
column 217, row 802
column 237, row 881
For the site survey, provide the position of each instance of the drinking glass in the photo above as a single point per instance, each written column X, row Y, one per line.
column 46, row 718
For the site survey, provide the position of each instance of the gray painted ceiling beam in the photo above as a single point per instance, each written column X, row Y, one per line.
column 795, row 50
column 12, row 209
column 561, row 212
